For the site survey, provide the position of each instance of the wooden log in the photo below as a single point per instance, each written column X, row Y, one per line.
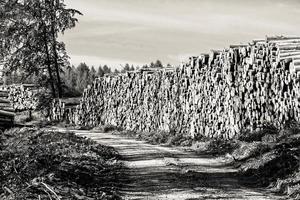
column 4, row 105
column 2, row 100
column 3, row 94
column 294, row 54
column 286, row 47
column 8, row 109
column 295, row 66
column 4, row 120
column 233, row 46
column 271, row 39
column 6, row 113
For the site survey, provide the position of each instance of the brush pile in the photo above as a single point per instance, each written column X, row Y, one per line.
column 38, row 164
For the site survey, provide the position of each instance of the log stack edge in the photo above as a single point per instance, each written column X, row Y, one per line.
column 218, row 94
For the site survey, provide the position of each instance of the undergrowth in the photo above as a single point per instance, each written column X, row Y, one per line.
column 37, row 164
column 273, row 159
column 107, row 128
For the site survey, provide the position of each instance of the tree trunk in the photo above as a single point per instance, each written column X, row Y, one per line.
column 59, row 85
column 49, row 66
column 48, row 55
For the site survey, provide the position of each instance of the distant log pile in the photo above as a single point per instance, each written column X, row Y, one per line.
column 216, row 95
column 64, row 110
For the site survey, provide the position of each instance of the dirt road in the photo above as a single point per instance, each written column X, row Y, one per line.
column 156, row 172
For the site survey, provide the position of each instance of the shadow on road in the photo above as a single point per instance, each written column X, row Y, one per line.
column 157, row 172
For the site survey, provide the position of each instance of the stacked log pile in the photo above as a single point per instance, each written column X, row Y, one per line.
column 216, row 94
column 23, row 97
column 7, row 114
column 64, row 110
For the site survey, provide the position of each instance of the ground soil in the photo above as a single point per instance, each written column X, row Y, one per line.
column 158, row 172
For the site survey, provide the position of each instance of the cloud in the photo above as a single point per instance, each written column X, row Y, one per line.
column 224, row 18
column 141, row 31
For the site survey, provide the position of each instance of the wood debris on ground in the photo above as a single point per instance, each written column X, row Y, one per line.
column 43, row 164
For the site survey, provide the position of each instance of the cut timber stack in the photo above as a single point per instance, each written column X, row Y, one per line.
column 23, row 97
column 215, row 95
column 64, row 110
column 7, row 114
column 15, row 98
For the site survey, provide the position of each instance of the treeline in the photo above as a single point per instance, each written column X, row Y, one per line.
column 75, row 79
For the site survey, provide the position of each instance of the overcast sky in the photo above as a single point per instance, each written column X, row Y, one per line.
column 115, row 32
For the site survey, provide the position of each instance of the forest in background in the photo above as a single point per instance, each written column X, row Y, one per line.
column 75, row 78
column 31, row 52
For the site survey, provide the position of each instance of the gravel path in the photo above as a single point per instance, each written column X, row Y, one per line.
column 157, row 172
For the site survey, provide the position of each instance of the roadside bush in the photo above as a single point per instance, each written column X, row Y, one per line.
column 179, row 139
column 110, row 128
column 275, row 161
column 215, row 147
column 248, row 150
column 106, row 128
column 251, row 136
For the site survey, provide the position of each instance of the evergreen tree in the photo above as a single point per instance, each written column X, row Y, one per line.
column 132, row 68
column 92, row 75
column 100, row 72
column 106, row 69
column 74, row 77
column 158, row 64
column 152, row 65
column 83, row 76
column 127, row 67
